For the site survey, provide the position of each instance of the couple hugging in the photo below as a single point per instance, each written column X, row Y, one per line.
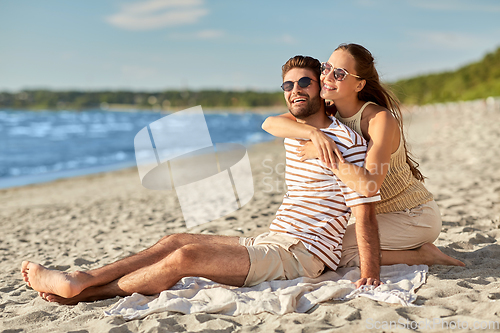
column 354, row 162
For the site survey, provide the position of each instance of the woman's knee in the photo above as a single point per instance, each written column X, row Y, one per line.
column 435, row 221
column 434, row 231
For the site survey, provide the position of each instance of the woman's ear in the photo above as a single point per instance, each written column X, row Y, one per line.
column 361, row 85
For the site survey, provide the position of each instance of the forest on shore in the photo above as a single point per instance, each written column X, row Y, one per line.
column 476, row 80
column 166, row 100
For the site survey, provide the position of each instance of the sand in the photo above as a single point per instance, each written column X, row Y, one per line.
column 86, row 222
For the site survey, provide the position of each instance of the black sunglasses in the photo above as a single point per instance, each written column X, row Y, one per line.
column 303, row 83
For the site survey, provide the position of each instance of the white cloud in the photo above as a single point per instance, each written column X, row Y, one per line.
column 202, row 34
column 137, row 72
column 455, row 5
column 156, row 14
column 68, row 55
column 367, row 3
column 209, row 34
column 155, row 5
column 446, row 40
column 287, row 39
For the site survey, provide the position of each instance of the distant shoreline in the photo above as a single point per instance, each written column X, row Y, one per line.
column 126, row 100
column 208, row 109
column 133, row 108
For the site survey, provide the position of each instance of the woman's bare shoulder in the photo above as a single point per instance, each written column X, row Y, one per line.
column 376, row 114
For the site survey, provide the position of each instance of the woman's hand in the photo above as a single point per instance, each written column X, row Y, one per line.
column 307, row 151
column 326, row 149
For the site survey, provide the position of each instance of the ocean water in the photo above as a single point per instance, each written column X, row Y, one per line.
column 39, row 146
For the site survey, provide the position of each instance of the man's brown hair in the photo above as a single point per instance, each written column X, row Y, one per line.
column 302, row 62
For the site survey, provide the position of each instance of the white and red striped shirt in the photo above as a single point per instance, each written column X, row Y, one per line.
column 316, row 207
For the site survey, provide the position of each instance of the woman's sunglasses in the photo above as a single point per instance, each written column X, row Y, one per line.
column 338, row 73
column 303, row 83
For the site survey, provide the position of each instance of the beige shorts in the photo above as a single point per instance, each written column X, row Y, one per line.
column 274, row 256
column 403, row 230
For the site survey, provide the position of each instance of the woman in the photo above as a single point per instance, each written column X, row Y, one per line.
column 408, row 217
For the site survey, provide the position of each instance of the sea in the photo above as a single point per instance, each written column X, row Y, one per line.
column 41, row 146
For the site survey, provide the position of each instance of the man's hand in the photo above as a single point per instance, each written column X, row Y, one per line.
column 368, row 282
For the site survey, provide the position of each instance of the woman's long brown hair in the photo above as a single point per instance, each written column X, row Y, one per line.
column 375, row 91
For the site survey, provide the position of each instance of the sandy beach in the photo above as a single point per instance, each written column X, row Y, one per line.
column 86, row 222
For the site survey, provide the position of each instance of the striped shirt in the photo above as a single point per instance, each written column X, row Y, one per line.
column 316, row 207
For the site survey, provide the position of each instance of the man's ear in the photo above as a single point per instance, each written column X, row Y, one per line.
column 360, row 85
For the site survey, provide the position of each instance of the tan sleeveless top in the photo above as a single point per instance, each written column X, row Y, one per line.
column 400, row 190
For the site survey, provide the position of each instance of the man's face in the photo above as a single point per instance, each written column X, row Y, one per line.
column 302, row 102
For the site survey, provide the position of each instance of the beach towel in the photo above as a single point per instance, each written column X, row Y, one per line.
column 199, row 295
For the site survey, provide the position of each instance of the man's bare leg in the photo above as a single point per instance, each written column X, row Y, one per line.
column 71, row 284
column 427, row 254
column 222, row 263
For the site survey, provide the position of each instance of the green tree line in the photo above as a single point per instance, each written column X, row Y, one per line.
column 47, row 99
column 474, row 81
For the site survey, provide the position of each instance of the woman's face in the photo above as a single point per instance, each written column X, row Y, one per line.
column 334, row 90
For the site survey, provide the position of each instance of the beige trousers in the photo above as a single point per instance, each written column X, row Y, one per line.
column 403, row 230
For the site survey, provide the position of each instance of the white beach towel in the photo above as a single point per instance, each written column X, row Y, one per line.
column 195, row 295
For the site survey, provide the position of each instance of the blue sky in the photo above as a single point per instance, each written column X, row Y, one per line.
column 220, row 44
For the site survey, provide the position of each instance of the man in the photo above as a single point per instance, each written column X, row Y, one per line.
column 305, row 236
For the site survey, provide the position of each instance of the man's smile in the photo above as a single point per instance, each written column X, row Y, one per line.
column 298, row 100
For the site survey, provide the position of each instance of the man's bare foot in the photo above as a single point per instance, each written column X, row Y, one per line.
column 431, row 255
column 90, row 294
column 61, row 300
column 49, row 281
